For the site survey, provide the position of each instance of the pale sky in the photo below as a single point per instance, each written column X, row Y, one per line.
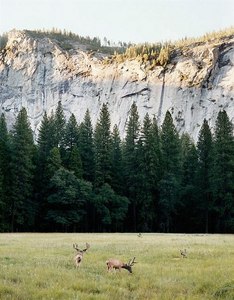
column 120, row 20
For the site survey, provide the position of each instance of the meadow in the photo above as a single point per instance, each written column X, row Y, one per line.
column 41, row 266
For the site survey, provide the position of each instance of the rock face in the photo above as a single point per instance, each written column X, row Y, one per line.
column 37, row 73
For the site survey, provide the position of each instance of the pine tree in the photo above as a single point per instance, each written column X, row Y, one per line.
column 4, row 174
column 70, row 140
column 149, row 163
column 223, row 173
column 45, row 143
column 188, row 213
column 205, row 152
column 74, row 162
column 59, row 125
column 102, row 142
column 170, row 183
column 54, row 162
column 116, row 162
column 22, row 168
column 131, row 165
column 86, row 148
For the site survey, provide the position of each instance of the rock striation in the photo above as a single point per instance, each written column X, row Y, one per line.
column 37, row 73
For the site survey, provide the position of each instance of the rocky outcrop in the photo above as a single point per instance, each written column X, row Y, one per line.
column 37, row 73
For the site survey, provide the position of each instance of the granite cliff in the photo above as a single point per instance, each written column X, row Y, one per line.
column 36, row 73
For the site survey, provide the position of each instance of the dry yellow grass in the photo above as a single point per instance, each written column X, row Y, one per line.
column 40, row 266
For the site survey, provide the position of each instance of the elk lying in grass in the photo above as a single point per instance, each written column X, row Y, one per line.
column 79, row 255
column 114, row 263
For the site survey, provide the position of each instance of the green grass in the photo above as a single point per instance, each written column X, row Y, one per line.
column 41, row 266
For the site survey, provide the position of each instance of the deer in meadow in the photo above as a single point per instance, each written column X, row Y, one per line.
column 114, row 263
column 79, row 255
column 183, row 253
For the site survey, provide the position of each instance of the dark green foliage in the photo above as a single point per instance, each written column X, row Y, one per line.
column 70, row 153
column 223, row 173
column 149, row 159
column 171, row 172
column 131, row 165
column 67, row 200
column 22, row 171
column 74, row 162
column 116, row 162
column 187, row 212
column 111, row 209
column 170, row 146
column 205, row 154
column 86, row 148
column 4, row 174
column 59, row 125
column 71, row 132
column 102, row 142
column 54, row 162
column 152, row 181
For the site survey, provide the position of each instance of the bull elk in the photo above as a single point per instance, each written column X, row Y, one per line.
column 79, row 255
column 114, row 263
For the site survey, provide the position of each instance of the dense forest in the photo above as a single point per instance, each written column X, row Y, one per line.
column 76, row 178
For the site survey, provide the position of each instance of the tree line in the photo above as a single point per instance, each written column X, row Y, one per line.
column 76, row 178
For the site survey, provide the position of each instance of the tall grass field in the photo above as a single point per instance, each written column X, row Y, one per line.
column 41, row 266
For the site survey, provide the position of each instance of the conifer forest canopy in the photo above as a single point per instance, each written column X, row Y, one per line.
column 76, row 178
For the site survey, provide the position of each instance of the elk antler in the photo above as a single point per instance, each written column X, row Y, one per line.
column 75, row 246
column 132, row 262
column 87, row 247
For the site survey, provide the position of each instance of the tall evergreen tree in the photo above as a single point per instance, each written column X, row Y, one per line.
column 170, row 183
column 86, row 148
column 4, row 174
column 102, row 142
column 22, row 168
column 116, row 162
column 74, row 162
column 70, row 140
column 59, row 124
column 131, row 165
column 54, row 162
column 187, row 214
column 149, row 163
column 45, row 143
column 223, row 173
column 205, row 152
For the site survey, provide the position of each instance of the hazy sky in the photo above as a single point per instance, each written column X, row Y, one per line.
column 120, row 20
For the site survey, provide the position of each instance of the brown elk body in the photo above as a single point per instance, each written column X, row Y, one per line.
column 114, row 263
column 79, row 255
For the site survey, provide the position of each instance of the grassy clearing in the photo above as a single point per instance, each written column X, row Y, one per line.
column 40, row 266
